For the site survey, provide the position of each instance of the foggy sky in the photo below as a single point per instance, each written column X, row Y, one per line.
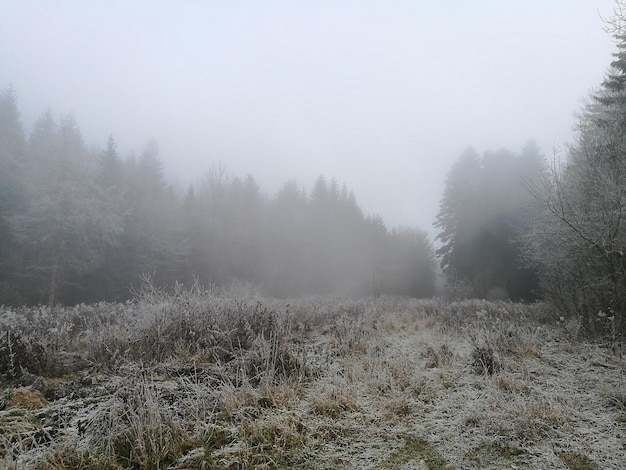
column 382, row 95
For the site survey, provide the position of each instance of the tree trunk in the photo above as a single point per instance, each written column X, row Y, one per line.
column 52, row 294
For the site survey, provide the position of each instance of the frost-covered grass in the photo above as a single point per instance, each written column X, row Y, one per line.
column 202, row 379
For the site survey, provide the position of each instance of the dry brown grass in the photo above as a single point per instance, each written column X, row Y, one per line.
column 26, row 398
column 513, row 385
column 333, row 402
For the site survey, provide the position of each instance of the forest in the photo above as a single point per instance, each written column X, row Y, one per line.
column 84, row 226
column 80, row 225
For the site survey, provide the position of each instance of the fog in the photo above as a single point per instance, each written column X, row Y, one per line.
column 383, row 96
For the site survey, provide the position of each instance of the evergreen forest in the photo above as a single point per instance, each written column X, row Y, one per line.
column 78, row 225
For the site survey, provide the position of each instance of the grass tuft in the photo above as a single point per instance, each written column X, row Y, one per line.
column 27, row 399
column 576, row 461
column 333, row 403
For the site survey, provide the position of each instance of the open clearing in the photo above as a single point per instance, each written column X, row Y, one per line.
column 198, row 380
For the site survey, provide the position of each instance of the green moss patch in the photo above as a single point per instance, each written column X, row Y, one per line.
column 494, row 451
column 415, row 448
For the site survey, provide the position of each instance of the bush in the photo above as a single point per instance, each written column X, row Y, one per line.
column 19, row 354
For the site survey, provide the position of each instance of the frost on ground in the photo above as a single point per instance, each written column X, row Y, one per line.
column 196, row 379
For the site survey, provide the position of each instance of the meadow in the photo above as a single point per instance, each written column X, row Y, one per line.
column 193, row 378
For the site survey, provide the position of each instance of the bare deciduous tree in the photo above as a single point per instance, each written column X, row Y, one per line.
column 578, row 235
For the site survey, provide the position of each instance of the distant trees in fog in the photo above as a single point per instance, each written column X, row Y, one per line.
column 481, row 220
column 78, row 225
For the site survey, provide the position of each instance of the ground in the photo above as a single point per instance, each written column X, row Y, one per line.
column 198, row 380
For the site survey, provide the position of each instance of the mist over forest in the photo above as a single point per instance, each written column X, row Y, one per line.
column 82, row 221
column 83, row 227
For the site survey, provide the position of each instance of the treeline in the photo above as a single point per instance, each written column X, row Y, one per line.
column 78, row 225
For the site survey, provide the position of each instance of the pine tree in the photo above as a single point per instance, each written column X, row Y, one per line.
column 109, row 172
column 481, row 220
column 67, row 223
column 12, row 153
column 458, row 217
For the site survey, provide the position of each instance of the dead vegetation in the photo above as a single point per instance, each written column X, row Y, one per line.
column 201, row 379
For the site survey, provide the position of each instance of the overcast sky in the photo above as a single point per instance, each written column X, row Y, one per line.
column 382, row 95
